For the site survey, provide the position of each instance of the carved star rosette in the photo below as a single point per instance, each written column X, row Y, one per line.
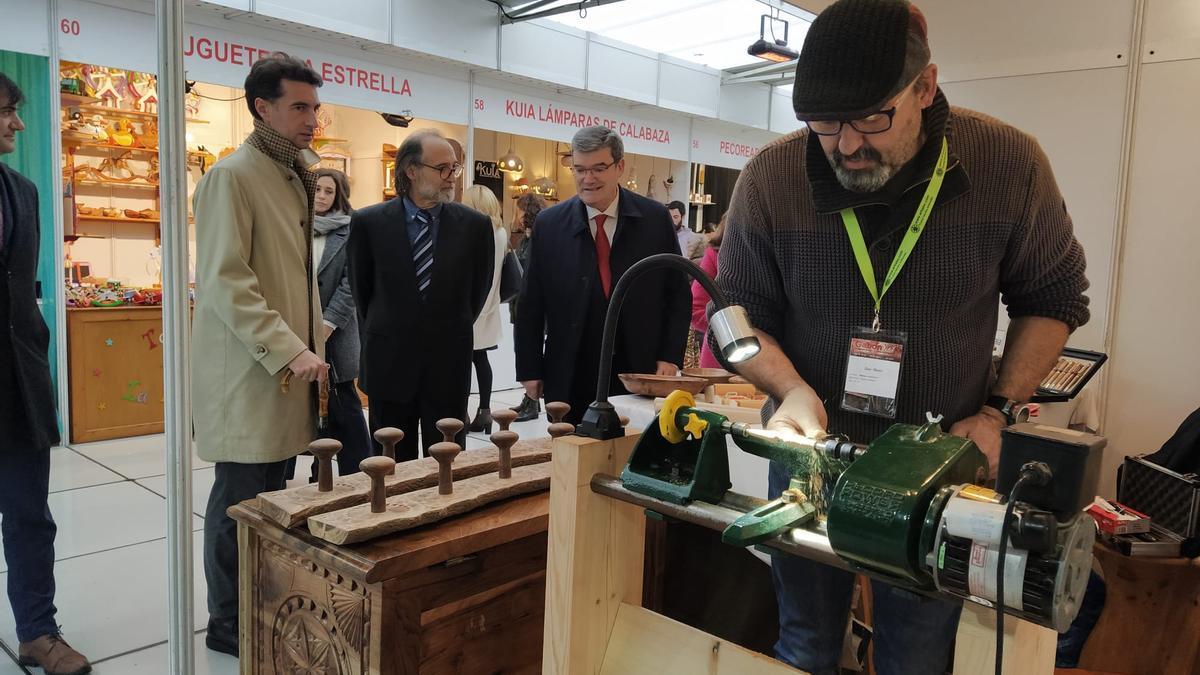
column 303, row 640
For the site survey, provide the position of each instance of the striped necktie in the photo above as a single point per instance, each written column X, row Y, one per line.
column 423, row 252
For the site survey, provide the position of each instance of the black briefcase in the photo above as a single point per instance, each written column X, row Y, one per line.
column 1172, row 500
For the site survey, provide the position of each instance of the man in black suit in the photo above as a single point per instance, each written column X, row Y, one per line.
column 28, row 425
column 420, row 270
column 581, row 248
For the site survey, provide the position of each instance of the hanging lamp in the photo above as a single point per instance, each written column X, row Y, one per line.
column 511, row 162
column 544, row 186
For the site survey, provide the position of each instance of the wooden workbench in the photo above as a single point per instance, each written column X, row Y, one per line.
column 464, row 596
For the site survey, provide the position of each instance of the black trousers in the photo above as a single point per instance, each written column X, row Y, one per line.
column 233, row 483
column 29, row 532
column 420, row 414
column 347, row 425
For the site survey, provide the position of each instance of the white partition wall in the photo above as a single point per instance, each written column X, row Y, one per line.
column 1154, row 376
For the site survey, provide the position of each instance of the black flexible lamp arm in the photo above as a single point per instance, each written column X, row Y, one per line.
column 601, row 419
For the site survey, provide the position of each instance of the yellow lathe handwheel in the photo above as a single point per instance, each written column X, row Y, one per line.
column 695, row 425
column 666, row 417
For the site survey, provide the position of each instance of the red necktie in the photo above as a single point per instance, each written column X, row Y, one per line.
column 602, row 248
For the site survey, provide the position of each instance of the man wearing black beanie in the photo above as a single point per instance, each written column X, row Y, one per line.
column 893, row 224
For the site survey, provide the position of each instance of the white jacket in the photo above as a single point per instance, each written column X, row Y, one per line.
column 487, row 326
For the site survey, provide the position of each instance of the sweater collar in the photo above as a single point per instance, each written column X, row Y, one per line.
column 830, row 197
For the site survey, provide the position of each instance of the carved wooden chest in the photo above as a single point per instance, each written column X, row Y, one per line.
column 464, row 596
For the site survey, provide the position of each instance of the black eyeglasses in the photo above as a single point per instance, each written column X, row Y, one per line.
column 871, row 124
column 592, row 170
column 446, row 171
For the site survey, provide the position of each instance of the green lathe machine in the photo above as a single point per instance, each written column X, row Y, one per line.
column 909, row 508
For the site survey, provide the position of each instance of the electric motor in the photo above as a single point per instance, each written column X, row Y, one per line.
column 1046, row 562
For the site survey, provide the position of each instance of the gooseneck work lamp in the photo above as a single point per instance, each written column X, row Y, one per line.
column 729, row 325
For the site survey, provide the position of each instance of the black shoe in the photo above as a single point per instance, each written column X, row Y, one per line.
column 530, row 409
column 222, row 637
column 482, row 421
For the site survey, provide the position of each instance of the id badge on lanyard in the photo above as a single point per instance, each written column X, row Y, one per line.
column 873, row 367
column 875, row 357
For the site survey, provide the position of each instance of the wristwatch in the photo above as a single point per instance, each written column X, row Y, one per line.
column 1013, row 411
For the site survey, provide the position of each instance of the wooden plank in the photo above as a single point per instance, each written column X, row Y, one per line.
column 1028, row 648
column 247, row 607
column 291, row 507
column 595, row 555
column 639, row 636
column 421, row 507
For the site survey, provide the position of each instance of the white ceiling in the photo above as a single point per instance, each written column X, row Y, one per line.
column 714, row 33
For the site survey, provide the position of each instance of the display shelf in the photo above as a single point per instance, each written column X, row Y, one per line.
column 86, row 182
column 109, row 111
column 70, row 100
column 92, row 145
column 323, row 140
column 124, row 219
column 118, row 219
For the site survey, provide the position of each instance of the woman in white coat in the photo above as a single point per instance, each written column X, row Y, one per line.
column 487, row 326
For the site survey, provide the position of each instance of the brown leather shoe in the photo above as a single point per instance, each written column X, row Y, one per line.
column 54, row 656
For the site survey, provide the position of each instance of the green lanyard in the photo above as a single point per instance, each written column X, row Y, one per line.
column 906, row 245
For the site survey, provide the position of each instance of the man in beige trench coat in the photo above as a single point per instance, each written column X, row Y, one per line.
column 257, row 316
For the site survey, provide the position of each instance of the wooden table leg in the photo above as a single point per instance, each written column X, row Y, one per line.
column 595, row 555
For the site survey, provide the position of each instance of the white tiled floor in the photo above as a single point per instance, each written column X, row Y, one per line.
column 137, row 457
column 202, row 482
column 111, row 571
column 70, row 470
column 153, row 661
column 9, row 666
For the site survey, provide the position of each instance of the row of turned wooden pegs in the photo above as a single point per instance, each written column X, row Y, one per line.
column 388, row 496
column 379, row 466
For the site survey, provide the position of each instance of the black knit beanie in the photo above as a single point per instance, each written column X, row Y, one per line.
column 853, row 59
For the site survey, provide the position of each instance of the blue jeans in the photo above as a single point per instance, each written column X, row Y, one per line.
column 913, row 634
column 28, row 531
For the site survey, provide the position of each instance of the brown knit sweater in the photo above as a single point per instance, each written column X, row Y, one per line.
column 999, row 231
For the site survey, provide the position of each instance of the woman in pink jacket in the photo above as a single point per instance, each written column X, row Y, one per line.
column 700, row 299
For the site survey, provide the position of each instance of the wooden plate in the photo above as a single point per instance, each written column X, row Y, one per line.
column 709, row 375
column 661, row 385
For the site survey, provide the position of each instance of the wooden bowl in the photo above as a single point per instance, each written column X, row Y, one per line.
column 738, row 379
column 661, row 385
column 709, row 375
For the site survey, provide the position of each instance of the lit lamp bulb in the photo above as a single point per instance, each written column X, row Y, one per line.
column 511, row 162
column 731, row 329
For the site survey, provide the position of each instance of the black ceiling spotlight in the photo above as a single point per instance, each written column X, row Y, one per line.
column 402, row 120
column 775, row 50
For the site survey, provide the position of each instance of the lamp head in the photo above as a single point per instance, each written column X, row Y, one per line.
column 734, row 335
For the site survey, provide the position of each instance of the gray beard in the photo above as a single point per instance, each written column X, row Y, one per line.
column 436, row 196
column 863, row 180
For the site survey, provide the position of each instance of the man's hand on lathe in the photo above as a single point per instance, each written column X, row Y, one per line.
column 984, row 429
column 802, row 412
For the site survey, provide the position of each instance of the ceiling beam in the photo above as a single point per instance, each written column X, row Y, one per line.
column 509, row 17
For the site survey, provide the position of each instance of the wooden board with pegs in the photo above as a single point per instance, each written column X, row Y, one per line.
column 422, row 507
column 291, row 507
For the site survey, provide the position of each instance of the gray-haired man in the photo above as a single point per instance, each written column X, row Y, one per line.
column 420, row 271
column 581, row 249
